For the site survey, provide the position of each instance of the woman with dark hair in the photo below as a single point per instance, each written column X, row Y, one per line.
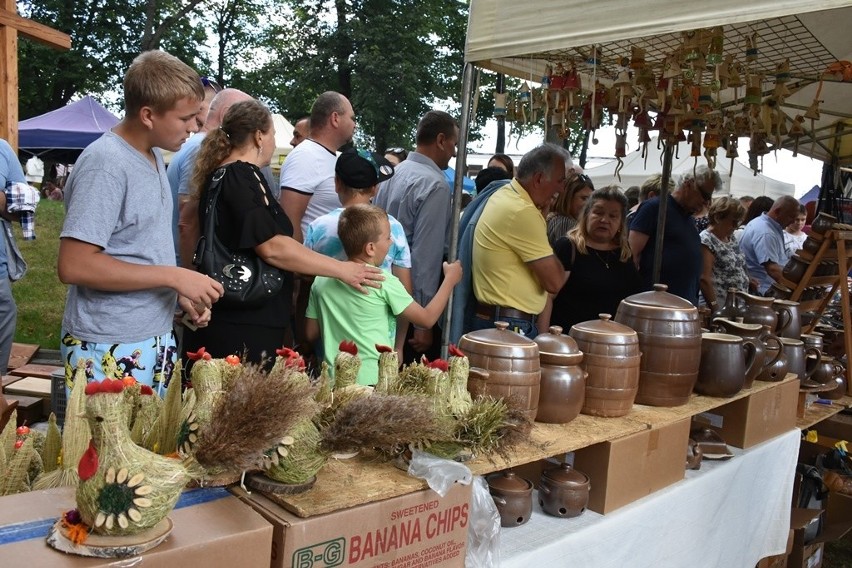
column 724, row 264
column 250, row 218
column 598, row 260
column 758, row 207
column 566, row 210
column 501, row 161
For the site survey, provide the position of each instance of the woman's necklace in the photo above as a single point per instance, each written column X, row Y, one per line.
column 601, row 258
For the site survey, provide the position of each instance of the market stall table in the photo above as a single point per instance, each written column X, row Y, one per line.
column 728, row 513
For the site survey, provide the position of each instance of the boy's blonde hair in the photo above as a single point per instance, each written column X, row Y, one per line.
column 358, row 225
column 159, row 80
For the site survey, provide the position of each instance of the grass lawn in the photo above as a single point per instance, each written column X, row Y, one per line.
column 40, row 295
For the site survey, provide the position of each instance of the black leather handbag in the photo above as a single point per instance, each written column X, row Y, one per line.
column 248, row 280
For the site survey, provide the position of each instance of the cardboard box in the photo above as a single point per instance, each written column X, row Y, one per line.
column 211, row 528
column 415, row 530
column 629, row 468
column 805, row 552
column 756, row 418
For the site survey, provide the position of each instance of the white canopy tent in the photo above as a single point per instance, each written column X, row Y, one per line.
column 739, row 183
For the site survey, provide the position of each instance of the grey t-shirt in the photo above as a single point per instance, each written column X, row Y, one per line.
column 116, row 200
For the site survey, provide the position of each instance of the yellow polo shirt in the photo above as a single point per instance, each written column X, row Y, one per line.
column 510, row 233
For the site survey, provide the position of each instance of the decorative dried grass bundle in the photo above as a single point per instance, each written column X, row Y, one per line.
column 385, row 422
column 168, row 424
column 414, row 379
column 458, row 399
column 251, row 418
column 147, row 412
column 323, row 396
column 388, row 369
column 7, row 436
column 347, row 364
column 490, row 425
column 52, row 445
column 15, row 477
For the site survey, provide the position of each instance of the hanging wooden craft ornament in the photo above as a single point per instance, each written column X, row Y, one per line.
column 735, row 80
column 499, row 104
column 625, row 90
column 642, row 121
column 797, row 130
column 716, row 46
column 524, row 102
column 751, row 49
column 556, row 84
column 782, row 76
column 572, row 86
column 712, row 138
column 813, row 114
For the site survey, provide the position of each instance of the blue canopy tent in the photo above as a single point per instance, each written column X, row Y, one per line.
column 63, row 133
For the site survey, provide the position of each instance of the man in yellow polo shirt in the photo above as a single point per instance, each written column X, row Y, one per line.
column 514, row 267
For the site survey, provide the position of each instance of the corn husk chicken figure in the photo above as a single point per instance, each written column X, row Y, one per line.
column 125, row 489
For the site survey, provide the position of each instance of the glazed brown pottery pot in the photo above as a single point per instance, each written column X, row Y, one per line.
column 775, row 368
column 822, row 223
column 827, row 370
column 503, row 364
column 725, row 360
column 753, row 334
column 611, row 358
column 798, row 360
column 838, row 392
column 669, row 330
column 811, row 246
column 795, row 268
column 563, row 491
column 789, row 322
column 513, row 497
column 563, row 380
column 758, row 309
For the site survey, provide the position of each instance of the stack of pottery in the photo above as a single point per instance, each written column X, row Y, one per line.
column 756, row 335
column 725, row 361
column 669, row 331
column 611, row 361
column 513, row 497
column 563, row 381
column 563, row 491
column 503, row 364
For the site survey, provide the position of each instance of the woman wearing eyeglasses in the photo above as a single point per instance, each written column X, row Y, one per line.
column 724, row 265
column 598, row 260
column 565, row 212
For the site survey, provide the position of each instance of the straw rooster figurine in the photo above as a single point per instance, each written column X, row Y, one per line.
column 123, row 488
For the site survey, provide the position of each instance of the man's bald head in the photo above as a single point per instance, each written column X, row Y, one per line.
column 784, row 210
column 223, row 100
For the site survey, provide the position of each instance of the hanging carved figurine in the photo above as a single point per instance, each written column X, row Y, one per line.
column 797, row 130
column 813, row 114
column 524, row 102
column 712, row 139
column 572, row 86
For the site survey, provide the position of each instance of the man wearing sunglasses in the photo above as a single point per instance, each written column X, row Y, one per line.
column 681, row 255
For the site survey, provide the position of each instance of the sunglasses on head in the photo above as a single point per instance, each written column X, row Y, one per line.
column 208, row 82
column 395, row 151
column 581, row 180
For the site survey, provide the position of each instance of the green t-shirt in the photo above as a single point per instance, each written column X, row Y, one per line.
column 343, row 313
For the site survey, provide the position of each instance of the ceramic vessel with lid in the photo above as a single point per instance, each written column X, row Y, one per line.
column 669, row 332
column 563, row 491
column 611, row 358
column 503, row 364
column 563, row 381
column 513, row 497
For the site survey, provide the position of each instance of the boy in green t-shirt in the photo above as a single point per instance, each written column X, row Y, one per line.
column 336, row 314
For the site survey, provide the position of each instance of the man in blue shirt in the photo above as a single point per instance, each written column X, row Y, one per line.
column 10, row 172
column 762, row 242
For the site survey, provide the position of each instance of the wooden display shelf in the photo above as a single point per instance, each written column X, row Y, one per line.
column 818, row 412
column 366, row 478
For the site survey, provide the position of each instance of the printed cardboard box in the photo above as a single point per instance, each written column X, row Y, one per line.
column 756, row 418
column 211, row 528
column 411, row 531
column 629, row 468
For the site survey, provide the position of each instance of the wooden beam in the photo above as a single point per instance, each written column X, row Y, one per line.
column 33, row 30
column 9, row 76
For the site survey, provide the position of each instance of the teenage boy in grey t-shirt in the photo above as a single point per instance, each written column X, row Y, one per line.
column 116, row 249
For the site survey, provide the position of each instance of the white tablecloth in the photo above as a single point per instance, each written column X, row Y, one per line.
column 728, row 514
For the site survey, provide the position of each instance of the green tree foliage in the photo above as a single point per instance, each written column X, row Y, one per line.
column 105, row 37
column 393, row 59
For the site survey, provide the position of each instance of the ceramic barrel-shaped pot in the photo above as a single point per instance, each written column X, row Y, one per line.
column 669, row 331
column 563, row 380
column 725, row 360
column 611, row 357
column 513, row 497
column 563, row 491
column 503, row 364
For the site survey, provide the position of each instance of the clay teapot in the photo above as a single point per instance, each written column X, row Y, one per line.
column 789, row 321
column 563, row 381
column 563, row 491
column 758, row 309
column 513, row 497
column 503, row 364
column 725, row 361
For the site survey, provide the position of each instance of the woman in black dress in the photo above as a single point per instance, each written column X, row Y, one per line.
column 249, row 217
column 597, row 258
